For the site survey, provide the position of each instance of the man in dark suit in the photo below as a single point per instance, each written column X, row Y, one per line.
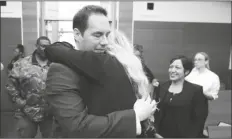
column 91, row 28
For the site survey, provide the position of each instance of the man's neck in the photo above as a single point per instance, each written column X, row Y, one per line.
column 41, row 60
column 201, row 70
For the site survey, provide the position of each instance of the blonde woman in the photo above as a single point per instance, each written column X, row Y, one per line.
column 115, row 75
column 202, row 75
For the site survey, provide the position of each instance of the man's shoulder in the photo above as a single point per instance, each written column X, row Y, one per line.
column 58, row 65
column 24, row 61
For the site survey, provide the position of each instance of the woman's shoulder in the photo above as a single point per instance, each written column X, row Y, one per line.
column 192, row 86
column 165, row 85
column 212, row 74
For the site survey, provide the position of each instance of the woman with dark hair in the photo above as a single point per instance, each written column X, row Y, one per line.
column 18, row 54
column 183, row 107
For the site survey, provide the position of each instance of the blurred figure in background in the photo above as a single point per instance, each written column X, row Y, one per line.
column 2, row 66
column 183, row 109
column 25, row 86
column 138, row 50
column 18, row 54
column 202, row 75
column 154, row 82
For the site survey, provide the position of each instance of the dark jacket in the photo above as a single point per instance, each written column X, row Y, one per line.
column 189, row 109
column 66, row 88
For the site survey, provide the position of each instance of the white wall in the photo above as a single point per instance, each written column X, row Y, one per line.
column 51, row 10
column 67, row 9
column 13, row 9
column 213, row 12
column 64, row 10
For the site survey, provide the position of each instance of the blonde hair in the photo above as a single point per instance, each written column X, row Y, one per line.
column 120, row 47
column 206, row 58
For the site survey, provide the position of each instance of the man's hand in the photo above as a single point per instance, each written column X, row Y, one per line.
column 144, row 108
column 32, row 99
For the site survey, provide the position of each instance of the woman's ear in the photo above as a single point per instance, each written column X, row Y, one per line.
column 186, row 72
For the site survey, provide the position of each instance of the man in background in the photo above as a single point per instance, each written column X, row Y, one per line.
column 25, row 86
column 18, row 54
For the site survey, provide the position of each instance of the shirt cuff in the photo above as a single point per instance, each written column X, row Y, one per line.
column 138, row 126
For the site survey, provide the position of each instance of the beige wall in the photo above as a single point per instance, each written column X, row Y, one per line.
column 30, row 25
column 126, row 18
column 13, row 9
column 179, row 11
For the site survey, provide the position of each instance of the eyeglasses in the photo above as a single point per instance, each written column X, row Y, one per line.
column 198, row 59
column 43, row 46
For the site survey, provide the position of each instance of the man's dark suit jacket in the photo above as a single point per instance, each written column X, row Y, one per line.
column 65, row 91
column 189, row 109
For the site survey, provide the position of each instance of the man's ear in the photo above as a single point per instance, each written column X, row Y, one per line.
column 77, row 34
column 36, row 45
column 206, row 61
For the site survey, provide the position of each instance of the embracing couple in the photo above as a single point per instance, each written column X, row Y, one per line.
column 99, row 90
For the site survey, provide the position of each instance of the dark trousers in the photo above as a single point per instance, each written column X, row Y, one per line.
column 28, row 129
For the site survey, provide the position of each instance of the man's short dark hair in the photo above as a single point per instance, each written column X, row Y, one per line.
column 20, row 47
column 42, row 38
column 186, row 62
column 80, row 20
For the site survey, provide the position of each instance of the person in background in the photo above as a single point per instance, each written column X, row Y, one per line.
column 25, row 86
column 18, row 54
column 138, row 50
column 2, row 66
column 202, row 75
column 183, row 108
